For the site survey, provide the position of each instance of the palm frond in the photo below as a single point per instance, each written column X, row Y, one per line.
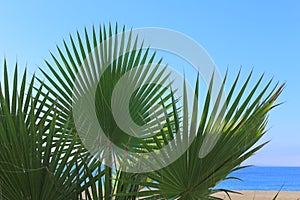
column 84, row 79
column 232, row 136
column 39, row 159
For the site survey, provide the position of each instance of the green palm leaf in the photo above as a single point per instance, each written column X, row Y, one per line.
column 39, row 159
column 97, row 65
column 231, row 138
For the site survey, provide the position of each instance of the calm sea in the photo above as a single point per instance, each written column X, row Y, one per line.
column 264, row 178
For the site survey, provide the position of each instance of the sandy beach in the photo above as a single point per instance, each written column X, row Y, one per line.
column 261, row 195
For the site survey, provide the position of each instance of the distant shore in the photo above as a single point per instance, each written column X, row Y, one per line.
column 261, row 195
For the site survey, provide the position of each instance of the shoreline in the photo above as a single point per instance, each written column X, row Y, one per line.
column 260, row 195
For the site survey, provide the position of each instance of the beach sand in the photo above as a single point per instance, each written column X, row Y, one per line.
column 261, row 195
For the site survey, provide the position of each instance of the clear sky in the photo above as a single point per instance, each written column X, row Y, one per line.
column 259, row 35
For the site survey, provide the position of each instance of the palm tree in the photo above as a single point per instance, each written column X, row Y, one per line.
column 240, row 124
column 59, row 147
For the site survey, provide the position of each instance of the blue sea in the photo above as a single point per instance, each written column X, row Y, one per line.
column 264, row 178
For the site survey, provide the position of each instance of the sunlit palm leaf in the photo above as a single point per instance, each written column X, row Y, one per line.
column 193, row 175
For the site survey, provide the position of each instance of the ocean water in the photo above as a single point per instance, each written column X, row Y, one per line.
column 264, row 178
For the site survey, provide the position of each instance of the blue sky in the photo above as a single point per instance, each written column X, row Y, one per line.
column 259, row 35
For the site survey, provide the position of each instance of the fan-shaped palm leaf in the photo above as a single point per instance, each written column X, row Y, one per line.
column 39, row 159
column 91, row 72
column 231, row 138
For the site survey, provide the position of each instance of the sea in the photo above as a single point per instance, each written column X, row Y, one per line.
column 264, row 178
